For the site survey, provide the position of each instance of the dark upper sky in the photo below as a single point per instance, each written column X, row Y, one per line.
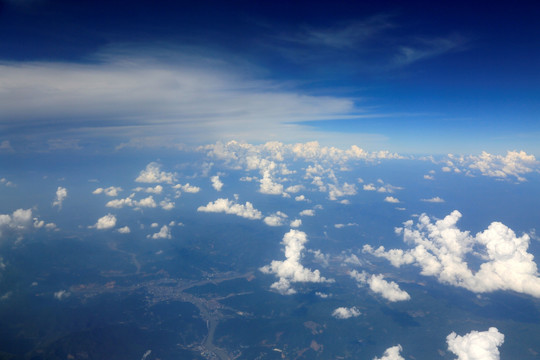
column 410, row 69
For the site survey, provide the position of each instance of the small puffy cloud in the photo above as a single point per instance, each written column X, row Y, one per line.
column 106, row 222
column 307, row 212
column 294, row 189
column 388, row 290
column 154, row 225
column 124, row 230
column 346, row 313
column 429, row 177
column 392, row 353
column 369, row 187
column 291, row 270
column 441, row 248
column 300, row 198
column 296, row 223
column 476, row 345
column 187, row 188
column 216, row 183
column 391, row 199
column 164, row 233
column 154, row 190
column 61, row 295
column 146, row 202
column 153, row 174
column 435, row 199
column 337, row 191
column 6, row 182
column 120, row 203
column 276, row 219
column 230, row 207
column 166, row 204
column 110, row 191
column 61, row 194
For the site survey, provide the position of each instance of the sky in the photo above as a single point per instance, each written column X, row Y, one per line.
column 416, row 78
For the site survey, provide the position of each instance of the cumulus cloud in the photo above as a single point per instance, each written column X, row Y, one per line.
column 435, row 199
column 166, row 204
column 300, row 198
column 339, row 226
column 345, row 190
column 440, row 250
column 513, row 164
column 291, row 270
column 154, row 190
column 106, row 222
column 187, row 188
column 216, row 183
column 61, row 194
column 230, row 207
column 307, row 212
column 20, row 220
column 346, row 313
column 392, row 353
column 61, row 295
column 120, row 203
column 110, row 191
column 268, row 185
column 296, row 223
column 388, row 290
column 276, row 219
column 476, row 345
column 294, row 189
column 163, row 233
column 391, row 199
column 153, row 174
column 124, row 230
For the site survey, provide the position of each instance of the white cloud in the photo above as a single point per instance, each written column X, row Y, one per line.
column 154, row 190
column 300, row 198
column 296, row 223
column 514, row 164
column 429, row 177
column 61, row 295
column 187, row 188
column 216, row 183
column 110, row 191
column 153, row 174
column 230, row 207
column 276, row 219
column 154, row 225
column 307, row 212
column 61, row 194
column 369, row 187
column 20, row 220
column 294, row 189
column 346, row 313
column 120, row 203
column 435, row 199
column 291, row 270
column 106, row 222
column 388, row 290
column 440, row 250
column 340, row 226
column 392, row 353
column 391, row 199
column 483, row 345
column 164, row 233
column 345, row 190
column 146, row 202
column 268, row 186
column 166, row 204
column 124, row 230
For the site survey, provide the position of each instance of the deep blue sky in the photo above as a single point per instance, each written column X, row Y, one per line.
column 420, row 77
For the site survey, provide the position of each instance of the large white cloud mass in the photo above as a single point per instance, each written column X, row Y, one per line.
column 291, row 270
column 440, row 250
column 476, row 345
column 153, row 174
column 392, row 353
column 230, row 207
column 19, row 220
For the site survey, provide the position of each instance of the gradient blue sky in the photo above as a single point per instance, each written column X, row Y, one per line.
column 414, row 77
